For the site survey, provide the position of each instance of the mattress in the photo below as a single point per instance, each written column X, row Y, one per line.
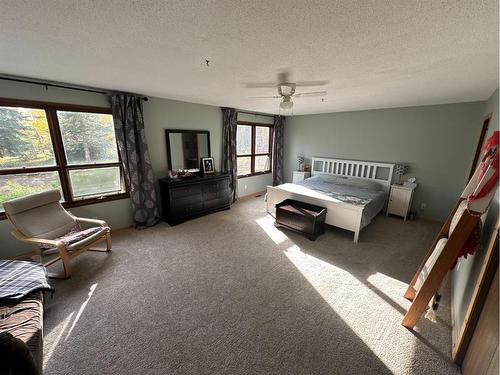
column 364, row 193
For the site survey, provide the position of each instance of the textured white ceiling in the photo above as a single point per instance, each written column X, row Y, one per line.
column 375, row 54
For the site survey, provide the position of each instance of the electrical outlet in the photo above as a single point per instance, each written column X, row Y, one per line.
column 423, row 206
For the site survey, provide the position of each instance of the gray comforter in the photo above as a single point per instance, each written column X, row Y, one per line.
column 360, row 192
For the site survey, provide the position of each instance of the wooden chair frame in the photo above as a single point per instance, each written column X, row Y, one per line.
column 66, row 255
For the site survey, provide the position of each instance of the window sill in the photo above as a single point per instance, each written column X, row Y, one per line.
column 106, row 198
column 254, row 174
column 85, row 202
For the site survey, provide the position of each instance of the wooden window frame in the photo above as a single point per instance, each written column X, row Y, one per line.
column 252, row 155
column 61, row 165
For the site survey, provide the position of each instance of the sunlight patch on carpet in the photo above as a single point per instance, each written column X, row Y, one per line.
column 80, row 311
column 267, row 224
column 370, row 314
column 58, row 331
column 391, row 287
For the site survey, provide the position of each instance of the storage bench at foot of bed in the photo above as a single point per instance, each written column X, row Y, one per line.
column 301, row 217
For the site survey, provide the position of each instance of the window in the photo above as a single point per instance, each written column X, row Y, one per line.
column 253, row 148
column 47, row 146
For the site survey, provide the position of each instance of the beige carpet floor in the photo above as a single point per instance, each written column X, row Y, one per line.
column 230, row 294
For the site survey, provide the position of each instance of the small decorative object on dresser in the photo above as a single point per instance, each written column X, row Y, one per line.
column 400, row 199
column 300, row 176
column 207, row 165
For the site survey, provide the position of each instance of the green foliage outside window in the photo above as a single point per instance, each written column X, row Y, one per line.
column 25, row 141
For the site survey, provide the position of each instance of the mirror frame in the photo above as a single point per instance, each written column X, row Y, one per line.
column 189, row 131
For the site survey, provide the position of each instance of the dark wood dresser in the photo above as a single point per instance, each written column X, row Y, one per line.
column 187, row 198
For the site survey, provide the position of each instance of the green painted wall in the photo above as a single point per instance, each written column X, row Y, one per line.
column 159, row 114
column 421, row 136
column 465, row 274
column 436, row 141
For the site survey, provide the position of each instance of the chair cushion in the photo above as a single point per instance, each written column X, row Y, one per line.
column 18, row 205
column 77, row 237
column 40, row 215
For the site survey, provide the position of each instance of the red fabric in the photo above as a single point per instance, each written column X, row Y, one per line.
column 471, row 244
column 490, row 159
column 492, row 141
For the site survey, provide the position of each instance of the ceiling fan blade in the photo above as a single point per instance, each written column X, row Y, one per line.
column 265, row 97
column 311, row 83
column 314, row 93
column 260, row 85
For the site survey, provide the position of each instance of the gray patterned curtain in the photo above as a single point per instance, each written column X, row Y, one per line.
column 134, row 154
column 278, row 142
column 229, row 126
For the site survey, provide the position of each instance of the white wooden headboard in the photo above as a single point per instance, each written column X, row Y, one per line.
column 381, row 173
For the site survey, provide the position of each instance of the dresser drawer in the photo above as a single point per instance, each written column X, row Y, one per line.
column 215, row 203
column 208, row 195
column 186, row 201
column 184, row 191
column 216, row 186
column 182, row 211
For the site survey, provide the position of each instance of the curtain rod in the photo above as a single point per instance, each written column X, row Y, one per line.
column 255, row 113
column 48, row 84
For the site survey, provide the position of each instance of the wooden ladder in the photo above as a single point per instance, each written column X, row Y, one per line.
column 420, row 299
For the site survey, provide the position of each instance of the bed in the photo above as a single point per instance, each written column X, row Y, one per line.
column 352, row 191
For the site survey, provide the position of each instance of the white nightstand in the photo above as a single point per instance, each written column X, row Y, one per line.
column 400, row 199
column 300, row 176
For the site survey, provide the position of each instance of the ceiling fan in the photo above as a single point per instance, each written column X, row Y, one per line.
column 286, row 89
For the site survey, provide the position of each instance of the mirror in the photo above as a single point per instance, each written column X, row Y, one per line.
column 185, row 148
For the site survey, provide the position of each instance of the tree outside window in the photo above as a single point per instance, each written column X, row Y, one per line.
column 253, row 148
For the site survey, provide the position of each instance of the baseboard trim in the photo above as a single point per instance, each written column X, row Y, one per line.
column 252, row 195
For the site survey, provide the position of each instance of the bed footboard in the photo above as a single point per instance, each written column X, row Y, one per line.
column 339, row 214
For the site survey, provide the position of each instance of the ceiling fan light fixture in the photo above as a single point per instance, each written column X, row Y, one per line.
column 286, row 104
column 286, row 89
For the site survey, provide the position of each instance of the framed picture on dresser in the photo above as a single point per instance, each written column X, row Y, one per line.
column 207, row 165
